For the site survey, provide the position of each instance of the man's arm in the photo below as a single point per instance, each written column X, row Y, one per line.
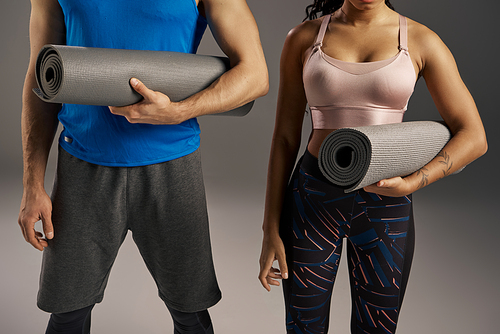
column 39, row 125
column 235, row 31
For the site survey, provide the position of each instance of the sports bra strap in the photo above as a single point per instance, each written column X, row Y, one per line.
column 403, row 33
column 322, row 30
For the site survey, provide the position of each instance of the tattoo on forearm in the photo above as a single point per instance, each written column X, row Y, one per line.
column 446, row 161
column 424, row 175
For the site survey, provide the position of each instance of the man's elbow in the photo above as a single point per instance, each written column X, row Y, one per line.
column 264, row 86
column 261, row 82
column 254, row 78
column 482, row 145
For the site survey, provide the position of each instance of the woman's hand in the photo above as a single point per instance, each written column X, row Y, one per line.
column 392, row 187
column 155, row 108
column 272, row 249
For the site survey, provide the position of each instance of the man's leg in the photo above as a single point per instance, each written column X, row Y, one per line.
column 74, row 322
column 191, row 323
column 169, row 223
column 89, row 227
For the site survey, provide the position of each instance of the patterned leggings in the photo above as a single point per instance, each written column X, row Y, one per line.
column 379, row 230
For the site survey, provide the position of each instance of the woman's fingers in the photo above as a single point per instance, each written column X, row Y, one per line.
column 271, row 277
column 282, row 264
column 274, row 273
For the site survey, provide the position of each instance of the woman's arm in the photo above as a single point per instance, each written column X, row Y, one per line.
column 284, row 148
column 38, row 125
column 455, row 105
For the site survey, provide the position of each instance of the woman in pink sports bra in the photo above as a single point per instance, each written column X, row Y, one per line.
column 355, row 65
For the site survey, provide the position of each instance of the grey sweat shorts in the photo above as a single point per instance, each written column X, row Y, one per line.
column 93, row 208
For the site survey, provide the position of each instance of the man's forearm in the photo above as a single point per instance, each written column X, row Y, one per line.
column 38, row 126
column 240, row 85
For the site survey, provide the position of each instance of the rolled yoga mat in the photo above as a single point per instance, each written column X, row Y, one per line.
column 353, row 158
column 97, row 76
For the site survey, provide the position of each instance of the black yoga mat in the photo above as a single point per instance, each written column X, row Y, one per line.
column 97, row 76
column 353, row 158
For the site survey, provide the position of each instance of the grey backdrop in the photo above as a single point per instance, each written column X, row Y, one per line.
column 453, row 287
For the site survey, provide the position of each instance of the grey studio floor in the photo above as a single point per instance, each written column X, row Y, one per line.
column 453, row 286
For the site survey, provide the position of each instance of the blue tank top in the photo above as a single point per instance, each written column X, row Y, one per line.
column 92, row 133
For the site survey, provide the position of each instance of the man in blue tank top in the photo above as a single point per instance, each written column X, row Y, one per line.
column 130, row 168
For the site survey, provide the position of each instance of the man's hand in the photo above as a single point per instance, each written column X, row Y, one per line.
column 36, row 206
column 154, row 108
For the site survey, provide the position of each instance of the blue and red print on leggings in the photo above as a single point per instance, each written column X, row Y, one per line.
column 379, row 234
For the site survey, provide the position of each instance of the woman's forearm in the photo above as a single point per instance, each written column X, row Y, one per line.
column 281, row 163
column 464, row 147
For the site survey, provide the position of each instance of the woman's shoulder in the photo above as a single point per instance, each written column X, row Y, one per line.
column 424, row 44
column 422, row 36
column 305, row 33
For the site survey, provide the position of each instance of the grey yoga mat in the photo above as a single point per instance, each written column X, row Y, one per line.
column 353, row 158
column 97, row 76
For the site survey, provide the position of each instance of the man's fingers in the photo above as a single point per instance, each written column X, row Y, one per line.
column 36, row 206
column 35, row 239
column 140, row 88
column 29, row 232
column 23, row 230
column 48, row 228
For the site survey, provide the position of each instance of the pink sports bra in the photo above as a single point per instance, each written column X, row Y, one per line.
column 346, row 94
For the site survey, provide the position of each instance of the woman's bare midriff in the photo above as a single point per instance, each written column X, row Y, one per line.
column 317, row 137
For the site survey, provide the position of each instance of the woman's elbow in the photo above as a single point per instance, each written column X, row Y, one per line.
column 479, row 144
column 475, row 142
